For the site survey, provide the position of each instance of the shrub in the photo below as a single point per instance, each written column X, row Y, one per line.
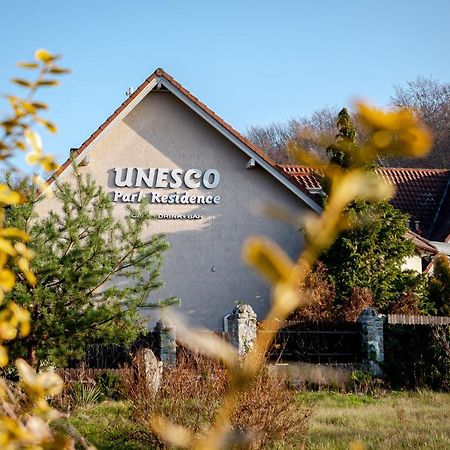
column 362, row 382
column 351, row 308
column 110, row 385
column 418, row 356
column 319, row 294
column 321, row 299
column 268, row 412
column 190, row 395
column 439, row 285
column 408, row 303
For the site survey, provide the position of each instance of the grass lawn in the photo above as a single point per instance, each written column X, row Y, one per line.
column 393, row 421
column 109, row 426
column 398, row 420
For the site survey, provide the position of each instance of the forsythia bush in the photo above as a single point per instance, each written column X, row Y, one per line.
column 24, row 411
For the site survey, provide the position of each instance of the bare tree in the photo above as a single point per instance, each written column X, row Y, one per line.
column 312, row 133
column 316, row 132
column 431, row 99
column 272, row 139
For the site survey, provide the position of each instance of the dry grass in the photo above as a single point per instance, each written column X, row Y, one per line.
column 269, row 412
column 191, row 394
column 407, row 420
column 307, row 375
column 394, row 421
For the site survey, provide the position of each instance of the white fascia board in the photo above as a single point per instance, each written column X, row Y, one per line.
column 443, row 247
column 238, row 143
column 110, row 126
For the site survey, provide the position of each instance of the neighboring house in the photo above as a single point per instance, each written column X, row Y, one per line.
column 204, row 182
column 424, row 194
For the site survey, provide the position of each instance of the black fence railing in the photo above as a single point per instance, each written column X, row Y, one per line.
column 314, row 342
column 115, row 356
column 318, row 342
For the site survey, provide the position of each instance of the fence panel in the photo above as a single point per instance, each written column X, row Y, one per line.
column 406, row 319
column 115, row 356
column 88, row 376
column 318, row 342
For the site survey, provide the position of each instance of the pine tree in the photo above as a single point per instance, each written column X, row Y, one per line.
column 94, row 273
column 371, row 255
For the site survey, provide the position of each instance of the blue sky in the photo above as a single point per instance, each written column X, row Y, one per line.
column 253, row 62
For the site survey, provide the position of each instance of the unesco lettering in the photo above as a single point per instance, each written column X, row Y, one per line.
column 166, row 178
column 134, row 177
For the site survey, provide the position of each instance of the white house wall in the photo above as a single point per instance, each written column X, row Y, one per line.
column 203, row 267
column 413, row 263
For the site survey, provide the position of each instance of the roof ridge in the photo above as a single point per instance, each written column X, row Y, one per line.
column 416, row 169
column 104, row 125
column 247, row 142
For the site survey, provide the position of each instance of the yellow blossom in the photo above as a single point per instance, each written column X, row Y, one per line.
column 38, row 385
column 23, row 250
column 397, row 132
column 8, row 196
column 7, row 279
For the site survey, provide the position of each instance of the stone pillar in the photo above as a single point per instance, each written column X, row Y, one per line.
column 149, row 369
column 242, row 328
column 373, row 339
column 167, row 345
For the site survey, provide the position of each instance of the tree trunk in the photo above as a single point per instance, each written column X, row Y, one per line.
column 32, row 355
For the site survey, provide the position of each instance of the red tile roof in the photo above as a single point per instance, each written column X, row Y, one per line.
column 161, row 73
column 441, row 228
column 422, row 193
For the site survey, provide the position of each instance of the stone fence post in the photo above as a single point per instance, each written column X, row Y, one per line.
column 167, row 345
column 372, row 325
column 149, row 369
column 242, row 328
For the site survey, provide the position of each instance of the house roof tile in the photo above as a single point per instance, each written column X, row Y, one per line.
column 422, row 193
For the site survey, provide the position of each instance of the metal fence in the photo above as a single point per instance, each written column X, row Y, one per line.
column 88, row 376
column 115, row 356
column 318, row 342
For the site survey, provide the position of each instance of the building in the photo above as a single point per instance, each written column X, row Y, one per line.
column 424, row 194
column 205, row 183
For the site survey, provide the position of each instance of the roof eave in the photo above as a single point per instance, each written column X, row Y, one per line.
column 160, row 76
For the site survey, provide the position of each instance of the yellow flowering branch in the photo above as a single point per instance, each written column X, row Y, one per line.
column 397, row 132
column 25, row 426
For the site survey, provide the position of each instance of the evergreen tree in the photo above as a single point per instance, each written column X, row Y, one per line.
column 371, row 254
column 341, row 152
column 439, row 286
column 94, row 273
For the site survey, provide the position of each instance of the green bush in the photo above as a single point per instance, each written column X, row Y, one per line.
column 110, row 385
column 363, row 382
column 417, row 356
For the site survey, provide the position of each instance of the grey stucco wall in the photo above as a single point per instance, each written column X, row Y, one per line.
column 203, row 266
